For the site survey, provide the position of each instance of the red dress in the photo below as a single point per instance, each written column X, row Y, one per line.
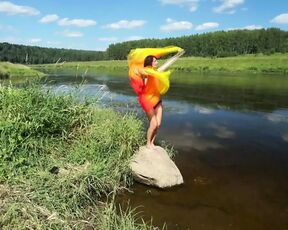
column 149, row 98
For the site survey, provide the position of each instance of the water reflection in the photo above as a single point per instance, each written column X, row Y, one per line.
column 222, row 131
column 240, row 92
column 285, row 137
column 278, row 116
column 193, row 140
column 231, row 134
column 204, row 110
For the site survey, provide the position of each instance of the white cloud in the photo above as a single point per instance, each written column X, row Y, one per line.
column 280, row 19
column 76, row 22
column 125, row 24
column 172, row 25
column 233, row 28
column 253, row 27
column 35, row 40
column 228, row 6
column 69, row 33
column 12, row 9
column 207, row 26
column 49, row 18
column 191, row 4
column 100, row 48
column 108, row 39
column 250, row 27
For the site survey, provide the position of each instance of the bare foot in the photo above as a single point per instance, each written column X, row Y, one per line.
column 150, row 146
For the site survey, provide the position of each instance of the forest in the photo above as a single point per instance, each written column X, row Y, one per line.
column 212, row 44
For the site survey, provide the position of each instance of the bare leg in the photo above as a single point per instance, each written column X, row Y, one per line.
column 158, row 113
column 152, row 128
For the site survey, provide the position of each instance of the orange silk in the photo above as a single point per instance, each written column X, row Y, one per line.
column 157, row 82
column 136, row 59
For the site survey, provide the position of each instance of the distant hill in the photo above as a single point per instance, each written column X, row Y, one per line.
column 213, row 44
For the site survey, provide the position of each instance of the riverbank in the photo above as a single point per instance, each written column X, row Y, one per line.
column 9, row 70
column 62, row 162
column 259, row 63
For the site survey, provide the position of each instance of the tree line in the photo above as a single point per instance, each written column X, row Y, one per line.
column 213, row 44
column 38, row 55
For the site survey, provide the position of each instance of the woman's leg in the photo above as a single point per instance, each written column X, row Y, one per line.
column 158, row 114
column 151, row 132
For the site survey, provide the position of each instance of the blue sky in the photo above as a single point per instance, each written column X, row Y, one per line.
column 93, row 24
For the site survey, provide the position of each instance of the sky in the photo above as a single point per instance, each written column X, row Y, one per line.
column 94, row 24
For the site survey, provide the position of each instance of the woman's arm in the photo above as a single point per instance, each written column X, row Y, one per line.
column 142, row 73
column 170, row 61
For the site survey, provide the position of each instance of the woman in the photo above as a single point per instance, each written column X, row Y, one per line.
column 150, row 100
column 150, row 83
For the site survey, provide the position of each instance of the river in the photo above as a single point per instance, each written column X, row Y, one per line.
column 231, row 137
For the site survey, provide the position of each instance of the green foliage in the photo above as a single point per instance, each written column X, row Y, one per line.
column 37, row 55
column 213, row 44
column 20, row 211
column 250, row 63
column 9, row 70
column 4, row 75
column 90, row 146
column 30, row 122
column 114, row 219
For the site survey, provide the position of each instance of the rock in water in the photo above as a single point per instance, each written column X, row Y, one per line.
column 154, row 167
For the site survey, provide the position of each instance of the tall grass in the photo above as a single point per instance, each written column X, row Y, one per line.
column 10, row 70
column 89, row 146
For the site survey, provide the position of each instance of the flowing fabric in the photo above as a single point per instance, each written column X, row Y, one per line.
column 136, row 61
column 158, row 82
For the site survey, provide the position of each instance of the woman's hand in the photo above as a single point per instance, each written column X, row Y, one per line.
column 136, row 70
column 140, row 72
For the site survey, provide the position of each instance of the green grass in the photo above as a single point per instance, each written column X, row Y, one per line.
column 91, row 147
column 9, row 70
column 258, row 63
column 276, row 63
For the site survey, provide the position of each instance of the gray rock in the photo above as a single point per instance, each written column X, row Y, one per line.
column 154, row 167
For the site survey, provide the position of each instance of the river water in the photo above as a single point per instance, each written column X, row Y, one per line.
column 231, row 135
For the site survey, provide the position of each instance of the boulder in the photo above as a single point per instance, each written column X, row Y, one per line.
column 154, row 167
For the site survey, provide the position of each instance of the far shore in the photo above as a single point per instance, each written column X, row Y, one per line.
column 253, row 64
column 258, row 63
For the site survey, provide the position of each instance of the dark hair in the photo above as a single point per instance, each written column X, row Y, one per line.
column 148, row 60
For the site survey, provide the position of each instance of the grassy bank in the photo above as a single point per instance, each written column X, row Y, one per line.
column 9, row 70
column 61, row 162
column 275, row 63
